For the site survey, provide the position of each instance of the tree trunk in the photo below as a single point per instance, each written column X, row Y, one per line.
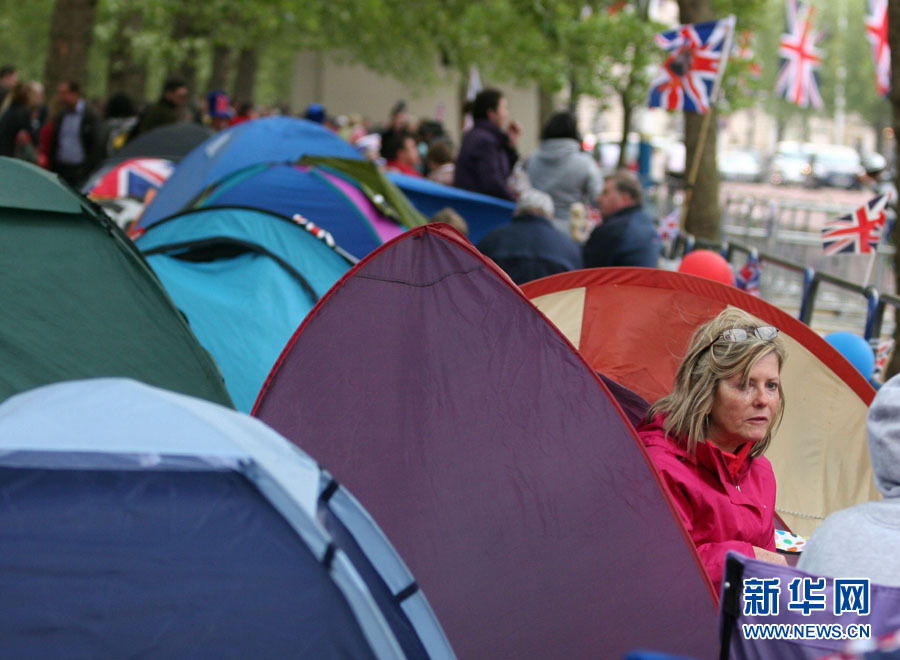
column 574, row 93
column 245, row 78
column 185, row 30
column 126, row 74
column 546, row 106
column 703, row 219
column 221, row 67
column 627, row 111
column 894, row 41
column 805, row 130
column 71, row 34
column 882, row 119
column 780, row 127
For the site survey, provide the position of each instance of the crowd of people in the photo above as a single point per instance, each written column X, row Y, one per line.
column 565, row 217
column 71, row 135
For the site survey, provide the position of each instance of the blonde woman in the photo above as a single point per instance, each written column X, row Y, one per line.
column 707, row 438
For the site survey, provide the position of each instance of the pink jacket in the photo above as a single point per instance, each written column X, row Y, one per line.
column 721, row 513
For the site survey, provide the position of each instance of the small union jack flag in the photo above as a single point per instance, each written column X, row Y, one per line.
column 798, row 80
column 743, row 50
column 877, row 32
column 748, row 277
column 689, row 74
column 669, row 225
column 857, row 232
column 133, row 178
column 882, row 355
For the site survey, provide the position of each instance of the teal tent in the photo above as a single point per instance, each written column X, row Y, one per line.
column 245, row 279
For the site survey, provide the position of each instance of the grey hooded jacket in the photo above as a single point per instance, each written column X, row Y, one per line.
column 864, row 541
column 567, row 174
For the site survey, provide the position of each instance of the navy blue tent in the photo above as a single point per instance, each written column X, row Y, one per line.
column 136, row 522
column 481, row 212
column 257, row 141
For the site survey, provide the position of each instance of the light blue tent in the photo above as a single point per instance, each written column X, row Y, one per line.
column 245, row 279
column 258, row 141
column 481, row 212
column 137, row 522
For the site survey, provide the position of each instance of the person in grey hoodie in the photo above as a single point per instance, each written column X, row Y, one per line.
column 562, row 170
column 862, row 541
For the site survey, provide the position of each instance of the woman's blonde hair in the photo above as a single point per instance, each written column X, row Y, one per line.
column 710, row 359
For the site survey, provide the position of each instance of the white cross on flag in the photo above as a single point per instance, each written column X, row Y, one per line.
column 877, row 32
column 857, row 232
column 798, row 78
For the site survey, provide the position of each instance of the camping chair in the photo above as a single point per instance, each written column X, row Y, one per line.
column 745, row 573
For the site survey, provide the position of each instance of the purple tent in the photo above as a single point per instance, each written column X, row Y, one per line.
column 497, row 462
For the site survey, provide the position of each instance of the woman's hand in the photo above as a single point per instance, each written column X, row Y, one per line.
column 769, row 556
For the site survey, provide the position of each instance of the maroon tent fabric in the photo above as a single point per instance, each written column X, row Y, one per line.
column 492, row 456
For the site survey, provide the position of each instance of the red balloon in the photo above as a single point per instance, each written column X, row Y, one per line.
column 708, row 264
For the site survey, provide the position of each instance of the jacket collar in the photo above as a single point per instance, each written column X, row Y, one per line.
column 488, row 125
column 621, row 213
column 731, row 468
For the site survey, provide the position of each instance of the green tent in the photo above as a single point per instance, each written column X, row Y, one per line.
column 78, row 299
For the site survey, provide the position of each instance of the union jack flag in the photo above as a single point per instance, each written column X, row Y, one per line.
column 748, row 277
column 882, row 354
column 133, row 178
column 798, row 81
column 877, row 32
column 669, row 225
column 697, row 53
column 857, row 232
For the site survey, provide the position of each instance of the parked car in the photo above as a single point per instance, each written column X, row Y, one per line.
column 740, row 165
column 836, row 166
column 790, row 169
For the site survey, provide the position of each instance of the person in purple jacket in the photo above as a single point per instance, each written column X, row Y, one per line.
column 488, row 151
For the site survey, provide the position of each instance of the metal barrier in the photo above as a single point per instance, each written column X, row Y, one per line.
column 886, row 300
column 790, row 230
column 876, row 303
column 786, row 234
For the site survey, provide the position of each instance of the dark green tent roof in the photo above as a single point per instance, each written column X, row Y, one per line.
column 79, row 301
column 27, row 186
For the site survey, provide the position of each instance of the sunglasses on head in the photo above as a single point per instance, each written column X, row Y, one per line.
column 734, row 335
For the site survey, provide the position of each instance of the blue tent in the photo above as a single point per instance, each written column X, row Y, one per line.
column 142, row 523
column 481, row 212
column 333, row 202
column 257, row 141
column 244, row 279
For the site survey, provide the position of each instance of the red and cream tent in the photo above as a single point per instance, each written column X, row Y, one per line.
column 633, row 325
column 494, row 458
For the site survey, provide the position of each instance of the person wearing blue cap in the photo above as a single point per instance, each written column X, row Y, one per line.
column 219, row 110
column 315, row 112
